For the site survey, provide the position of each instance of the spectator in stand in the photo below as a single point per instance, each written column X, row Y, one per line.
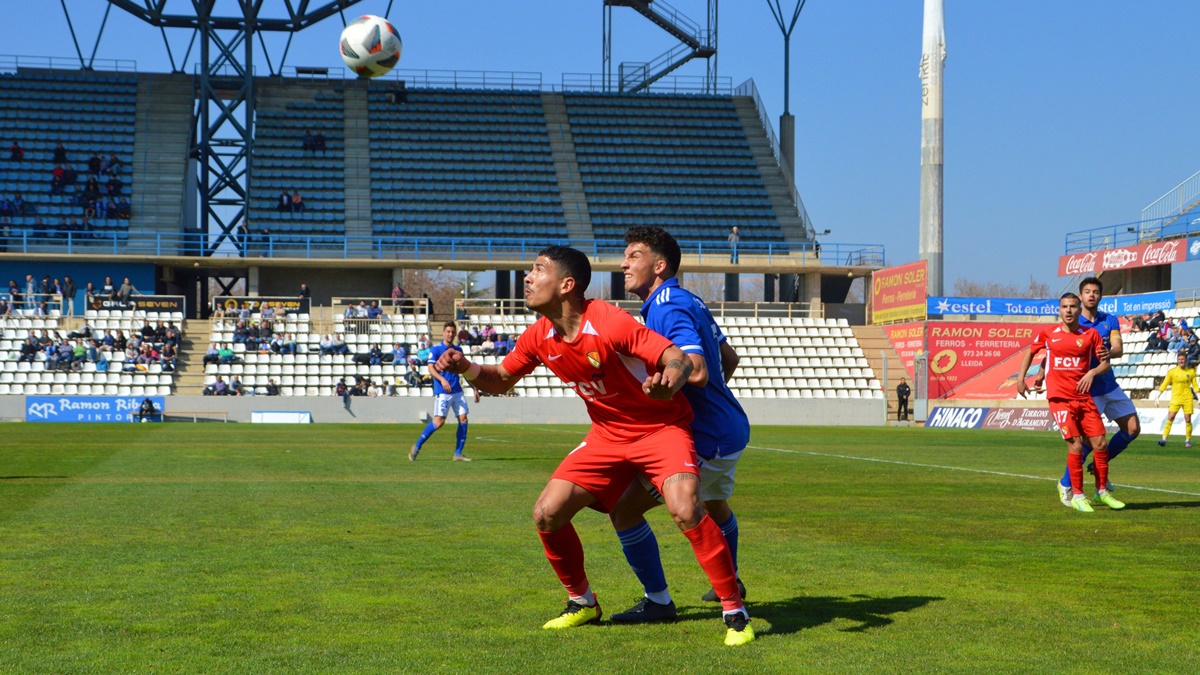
column 226, row 355
column 114, row 165
column 60, row 154
column 326, row 345
column 70, row 176
column 102, row 208
column 476, row 337
column 108, row 291
column 127, row 291
column 235, row 386
column 93, row 351
column 275, row 346
column 56, row 180
column 31, row 289
column 121, row 341
column 342, row 390
column 304, row 292
column 213, row 355
column 94, row 165
column 399, row 354
column 309, row 146
column 241, row 332
column 168, row 357
column 114, row 187
column 374, row 311
column 173, row 336
column 1177, row 339
column 147, row 331
column 18, row 204
column 69, row 289
column 423, row 354
column 374, row 390
column 91, row 190
column 734, row 238
column 464, row 336
column 510, row 343
column 488, row 348
column 360, row 311
column 389, row 389
column 398, row 294
column 319, row 142
column 375, row 356
column 121, row 205
column 284, row 203
column 5, row 308
column 218, row 388
column 339, row 345
column 272, row 388
column 14, row 291
column 15, row 152
column 289, row 345
column 297, row 203
column 268, row 312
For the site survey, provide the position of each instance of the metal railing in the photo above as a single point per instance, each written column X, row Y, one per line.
column 419, row 248
column 10, row 63
column 674, row 84
column 468, row 79
column 516, row 307
column 1131, row 234
column 1180, row 199
column 748, row 88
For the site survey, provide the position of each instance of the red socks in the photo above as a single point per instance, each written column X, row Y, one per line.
column 712, row 552
column 565, row 553
column 1100, row 459
column 1075, row 466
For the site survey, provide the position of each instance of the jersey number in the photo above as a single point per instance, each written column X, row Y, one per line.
column 1060, row 417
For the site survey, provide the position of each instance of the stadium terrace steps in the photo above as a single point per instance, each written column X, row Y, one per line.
column 357, row 161
column 874, row 342
column 779, row 187
column 165, row 106
column 566, row 168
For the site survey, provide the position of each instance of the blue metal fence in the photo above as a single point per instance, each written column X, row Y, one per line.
column 1138, row 232
column 419, row 248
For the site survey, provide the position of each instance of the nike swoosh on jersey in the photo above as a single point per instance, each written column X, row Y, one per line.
column 555, row 356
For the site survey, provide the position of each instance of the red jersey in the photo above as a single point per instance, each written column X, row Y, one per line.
column 605, row 364
column 1068, row 360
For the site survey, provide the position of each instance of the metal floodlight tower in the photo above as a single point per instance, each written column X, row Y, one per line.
column 787, row 123
column 933, row 62
column 224, row 113
column 695, row 41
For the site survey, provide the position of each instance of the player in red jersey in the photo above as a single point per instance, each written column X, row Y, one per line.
column 628, row 376
column 1069, row 374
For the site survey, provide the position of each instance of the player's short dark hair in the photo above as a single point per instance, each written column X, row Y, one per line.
column 1091, row 281
column 1072, row 296
column 450, row 324
column 659, row 241
column 572, row 263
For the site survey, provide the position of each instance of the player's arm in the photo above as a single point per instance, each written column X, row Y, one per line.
column 1038, row 345
column 1026, row 362
column 674, row 369
column 1116, row 345
column 437, row 375
column 729, row 360
column 491, row 379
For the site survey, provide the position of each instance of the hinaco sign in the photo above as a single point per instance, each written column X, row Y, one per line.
column 1126, row 257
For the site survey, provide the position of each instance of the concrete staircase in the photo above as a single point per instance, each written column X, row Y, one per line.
column 160, row 147
column 193, row 342
column 875, row 343
column 566, row 168
column 779, row 187
column 358, row 164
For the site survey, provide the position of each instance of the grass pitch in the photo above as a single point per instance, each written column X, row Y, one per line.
column 232, row 548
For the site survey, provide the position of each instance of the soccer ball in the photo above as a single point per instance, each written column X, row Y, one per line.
column 370, row 46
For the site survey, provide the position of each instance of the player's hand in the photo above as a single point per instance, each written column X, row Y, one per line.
column 658, row 387
column 476, row 395
column 1039, row 381
column 453, row 361
column 1022, row 388
column 1103, row 354
column 1085, row 383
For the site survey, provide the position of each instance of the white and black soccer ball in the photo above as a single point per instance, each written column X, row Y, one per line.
column 370, row 46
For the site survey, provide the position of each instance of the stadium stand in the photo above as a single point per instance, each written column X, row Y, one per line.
column 89, row 114
column 1140, row 371
column 281, row 163
column 38, row 378
column 682, row 162
column 448, row 164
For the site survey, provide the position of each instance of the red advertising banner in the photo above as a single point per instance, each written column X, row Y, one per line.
column 958, row 351
column 1142, row 255
column 898, row 293
column 1027, row 419
column 998, row 382
column 908, row 339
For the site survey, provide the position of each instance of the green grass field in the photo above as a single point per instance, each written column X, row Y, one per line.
column 231, row 548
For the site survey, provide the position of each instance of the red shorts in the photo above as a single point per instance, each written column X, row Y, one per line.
column 1077, row 418
column 605, row 468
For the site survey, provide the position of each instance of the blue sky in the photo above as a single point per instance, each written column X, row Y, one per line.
column 1060, row 116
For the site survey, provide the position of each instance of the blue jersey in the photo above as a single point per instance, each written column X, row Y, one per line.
column 455, row 386
column 1104, row 325
column 720, row 427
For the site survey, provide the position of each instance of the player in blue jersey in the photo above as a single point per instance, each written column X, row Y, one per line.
column 1108, row 396
column 720, row 427
column 447, row 396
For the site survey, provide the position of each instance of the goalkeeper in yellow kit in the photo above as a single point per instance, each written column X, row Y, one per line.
column 1182, row 380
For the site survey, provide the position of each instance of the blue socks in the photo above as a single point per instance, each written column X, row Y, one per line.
column 1116, row 446
column 641, row 550
column 730, row 529
column 462, row 438
column 429, row 429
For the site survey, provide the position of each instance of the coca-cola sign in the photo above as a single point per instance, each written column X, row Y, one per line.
column 1126, row 257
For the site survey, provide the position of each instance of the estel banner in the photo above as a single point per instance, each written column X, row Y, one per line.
column 1126, row 257
column 898, row 293
column 1142, row 303
column 908, row 339
column 959, row 351
column 86, row 408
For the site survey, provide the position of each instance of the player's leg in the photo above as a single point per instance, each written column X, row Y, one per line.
column 716, row 487
column 1092, row 427
column 559, row 502
column 460, row 408
column 640, row 547
column 441, row 404
column 1075, row 463
column 1174, row 408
